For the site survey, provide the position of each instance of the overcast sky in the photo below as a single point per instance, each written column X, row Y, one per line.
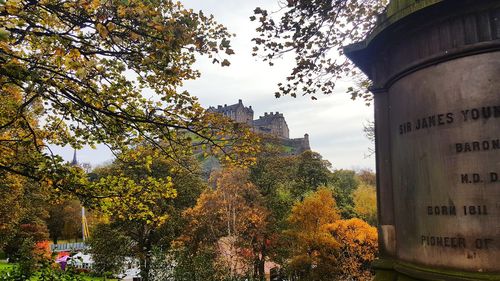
column 334, row 123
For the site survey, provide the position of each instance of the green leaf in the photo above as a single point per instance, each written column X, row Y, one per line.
column 4, row 34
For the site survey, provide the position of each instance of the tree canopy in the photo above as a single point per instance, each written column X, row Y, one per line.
column 325, row 247
column 87, row 72
column 313, row 246
column 315, row 32
column 365, row 203
column 230, row 221
column 146, row 195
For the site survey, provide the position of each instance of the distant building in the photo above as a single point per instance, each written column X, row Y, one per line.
column 238, row 112
column 271, row 124
column 74, row 162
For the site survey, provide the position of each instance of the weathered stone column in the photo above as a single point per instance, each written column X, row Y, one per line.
column 435, row 67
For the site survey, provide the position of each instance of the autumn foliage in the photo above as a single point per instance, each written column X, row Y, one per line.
column 81, row 66
column 358, row 248
column 229, row 219
column 365, row 203
column 280, row 216
column 322, row 245
column 314, row 32
column 313, row 247
column 42, row 250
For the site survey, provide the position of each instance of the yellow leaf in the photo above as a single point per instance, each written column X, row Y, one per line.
column 74, row 54
column 59, row 52
column 4, row 34
column 122, row 11
column 102, row 30
column 81, row 73
column 134, row 36
column 111, row 26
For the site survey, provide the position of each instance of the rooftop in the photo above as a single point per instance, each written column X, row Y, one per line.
column 231, row 107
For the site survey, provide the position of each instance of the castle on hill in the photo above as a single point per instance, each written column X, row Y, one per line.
column 271, row 124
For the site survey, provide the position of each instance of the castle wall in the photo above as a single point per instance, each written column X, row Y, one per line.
column 298, row 145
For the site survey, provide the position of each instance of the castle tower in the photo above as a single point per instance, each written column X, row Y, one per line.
column 272, row 123
column 237, row 112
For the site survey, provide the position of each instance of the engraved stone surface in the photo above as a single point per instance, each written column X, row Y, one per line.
column 436, row 84
column 445, row 132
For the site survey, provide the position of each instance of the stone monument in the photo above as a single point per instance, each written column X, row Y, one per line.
column 435, row 67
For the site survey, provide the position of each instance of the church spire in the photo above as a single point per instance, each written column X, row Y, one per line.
column 74, row 162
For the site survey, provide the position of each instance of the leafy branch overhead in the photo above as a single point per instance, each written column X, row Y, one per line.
column 315, row 32
column 87, row 72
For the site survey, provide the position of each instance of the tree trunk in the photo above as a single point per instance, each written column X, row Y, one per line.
column 145, row 246
column 145, row 266
column 256, row 250
column 262, row 261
